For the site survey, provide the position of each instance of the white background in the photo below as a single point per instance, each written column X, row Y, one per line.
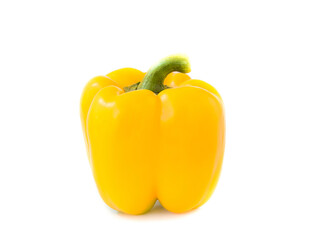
column 263, row 57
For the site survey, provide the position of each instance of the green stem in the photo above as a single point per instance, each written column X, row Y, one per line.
column 154, row 78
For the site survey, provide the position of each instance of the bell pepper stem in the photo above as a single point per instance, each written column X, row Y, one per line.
column 154, row 78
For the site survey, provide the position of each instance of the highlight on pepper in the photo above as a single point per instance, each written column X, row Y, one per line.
column 158, row 135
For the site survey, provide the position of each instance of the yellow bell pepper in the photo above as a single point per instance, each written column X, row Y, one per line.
column 154, row 136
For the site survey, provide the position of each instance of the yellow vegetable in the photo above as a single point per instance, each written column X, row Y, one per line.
column 158, row 135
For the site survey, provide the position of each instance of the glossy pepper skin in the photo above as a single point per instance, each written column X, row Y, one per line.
column 164, row 143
